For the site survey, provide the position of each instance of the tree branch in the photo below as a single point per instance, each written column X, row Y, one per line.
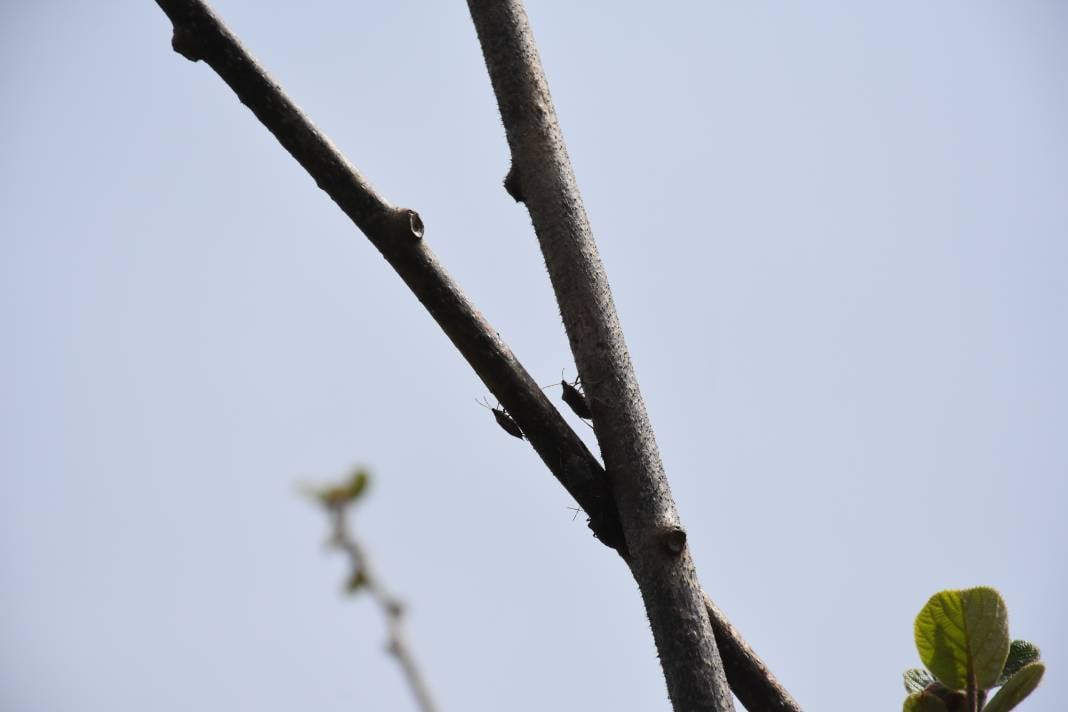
column 750, row 679
column 397, row 233
column 541, row 174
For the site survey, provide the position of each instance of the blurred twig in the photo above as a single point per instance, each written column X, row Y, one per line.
column 337, row 501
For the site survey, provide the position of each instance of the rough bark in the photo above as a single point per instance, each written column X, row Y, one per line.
column 541, row 174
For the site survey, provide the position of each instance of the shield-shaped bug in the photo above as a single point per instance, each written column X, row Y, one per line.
column 504, row 420
column 576, row 399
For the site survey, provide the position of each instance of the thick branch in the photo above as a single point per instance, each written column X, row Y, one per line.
column 541, row 172
column 397, row 233
column 199, row 34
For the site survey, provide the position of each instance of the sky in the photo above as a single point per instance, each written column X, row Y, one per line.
column 836, row 237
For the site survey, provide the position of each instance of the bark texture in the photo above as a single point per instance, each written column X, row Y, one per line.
column 541, row 174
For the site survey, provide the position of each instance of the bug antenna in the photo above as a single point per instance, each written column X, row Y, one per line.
column 574, row 383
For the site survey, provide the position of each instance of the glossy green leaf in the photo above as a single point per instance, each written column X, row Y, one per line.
column 1020, row 653
column 917, row 680
column 923, row 702
column 964, row 635
column 1018, row 687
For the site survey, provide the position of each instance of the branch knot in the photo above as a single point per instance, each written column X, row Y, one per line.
column 672, row 539
column 511, row 184
column 187, row 43
column 404, row 223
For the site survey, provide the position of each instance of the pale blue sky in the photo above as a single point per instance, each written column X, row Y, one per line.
column 837, row 238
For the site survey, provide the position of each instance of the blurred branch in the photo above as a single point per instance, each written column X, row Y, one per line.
column 337, row 501
column 397, row 233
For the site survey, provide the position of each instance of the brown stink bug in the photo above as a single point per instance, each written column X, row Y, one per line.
column 576, row 399
column 504, row 420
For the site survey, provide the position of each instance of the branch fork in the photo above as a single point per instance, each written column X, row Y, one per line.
column 541, row 178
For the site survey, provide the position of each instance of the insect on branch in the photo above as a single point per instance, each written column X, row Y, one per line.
column 504, row 420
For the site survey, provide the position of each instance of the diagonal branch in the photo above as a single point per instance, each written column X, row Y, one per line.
column 750, row 679
column 541, row 175
column 397, row 233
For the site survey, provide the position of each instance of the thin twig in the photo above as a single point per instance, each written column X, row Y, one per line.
column 342, row 538
column 541, row 176
column 199, row 34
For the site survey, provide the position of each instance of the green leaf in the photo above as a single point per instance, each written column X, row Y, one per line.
column 964, row 635
column 1020, row 653
column 917, row 680
column 923, row 702
column 357, row 484
column 1019, row 686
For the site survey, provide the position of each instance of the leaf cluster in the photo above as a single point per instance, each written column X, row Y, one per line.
column 963, row 641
